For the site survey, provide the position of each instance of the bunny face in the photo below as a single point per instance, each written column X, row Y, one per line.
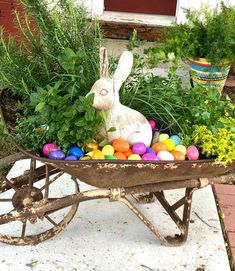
column 104, row 94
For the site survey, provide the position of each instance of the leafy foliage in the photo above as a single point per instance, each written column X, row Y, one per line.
column 52, row 69
column 206, row 34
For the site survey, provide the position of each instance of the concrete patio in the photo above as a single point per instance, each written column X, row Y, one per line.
column 106, row 236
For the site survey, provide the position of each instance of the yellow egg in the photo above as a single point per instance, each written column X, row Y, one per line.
column 108, row 150
column 97, row 154
column 89, row 153
column 85, row 158
column 170, row 144
column 134, row 157
column 181, row 148
column 163, row 137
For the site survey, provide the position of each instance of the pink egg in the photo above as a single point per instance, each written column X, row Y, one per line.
column 165, row 156
column 152, row 123
column 150, row 156
column 139, row 148
column 48, row 148
column 192, row 153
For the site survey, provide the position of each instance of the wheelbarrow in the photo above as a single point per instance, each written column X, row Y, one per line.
column 114, row 180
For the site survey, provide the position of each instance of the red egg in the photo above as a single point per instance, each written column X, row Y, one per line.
column 192, row 153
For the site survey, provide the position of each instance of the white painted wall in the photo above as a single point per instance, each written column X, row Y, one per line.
column 96, row 7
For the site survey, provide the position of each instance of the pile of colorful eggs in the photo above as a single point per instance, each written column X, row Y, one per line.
column 165, row 149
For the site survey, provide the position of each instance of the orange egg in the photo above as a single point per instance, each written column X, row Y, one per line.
column 97, row 154
column 120, row 145
column 160, row 146
column 128, row 153
column 120, row 155
column 178, row 155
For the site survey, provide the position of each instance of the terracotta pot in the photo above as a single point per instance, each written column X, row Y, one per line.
column 203, row 73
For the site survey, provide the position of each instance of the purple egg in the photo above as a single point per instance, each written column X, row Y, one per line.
column 139, row 148
column 71, row 158
column 150, row 156
column 48, row 148
column 57, row 155
column 150, row 150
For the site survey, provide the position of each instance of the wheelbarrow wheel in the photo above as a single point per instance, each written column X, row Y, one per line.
column 23, row 191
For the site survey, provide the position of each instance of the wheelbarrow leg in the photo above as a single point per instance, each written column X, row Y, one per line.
column 182, row 224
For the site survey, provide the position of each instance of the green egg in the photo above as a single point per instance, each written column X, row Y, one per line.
column 110, row 157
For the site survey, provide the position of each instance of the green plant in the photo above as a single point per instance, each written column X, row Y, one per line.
column 52, row 68
column 34, row 61
column 206, row 34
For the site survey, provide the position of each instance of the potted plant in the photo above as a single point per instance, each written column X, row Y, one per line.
column 207, row 41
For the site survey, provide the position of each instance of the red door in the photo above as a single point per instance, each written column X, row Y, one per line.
column 161, row 7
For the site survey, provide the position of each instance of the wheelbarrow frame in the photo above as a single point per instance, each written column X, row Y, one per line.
column 147, row 177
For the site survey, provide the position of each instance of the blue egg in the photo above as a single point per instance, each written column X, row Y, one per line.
column 57, row 155
column 176, row 139
column 76, row 151
column 71, row 158
column 150, row 150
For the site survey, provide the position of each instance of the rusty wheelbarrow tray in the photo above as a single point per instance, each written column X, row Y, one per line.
column 114, row 181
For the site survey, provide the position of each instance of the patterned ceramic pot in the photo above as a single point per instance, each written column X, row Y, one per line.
column 203, row 73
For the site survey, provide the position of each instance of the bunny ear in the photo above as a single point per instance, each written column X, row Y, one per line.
column 123, row 69
column 104, row 63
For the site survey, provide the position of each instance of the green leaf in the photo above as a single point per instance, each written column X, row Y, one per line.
column 112, row 129
column 40, row 106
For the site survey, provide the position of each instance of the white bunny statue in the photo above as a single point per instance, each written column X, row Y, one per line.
column 129, row 124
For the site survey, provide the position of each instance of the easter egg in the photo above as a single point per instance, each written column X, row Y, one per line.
column 120, row 155
column 120, row 145
column 178, row 155
column 89, row 154
column 128, row 153
column 176, row 139
column 92, row 146
column 71, row 158
column 170, row 144
column 97, row 154
column 150, row 150
column 192, row 153
column 108, row 150
column 150, row 156
column 163, row 137
column 110, row 157
column 76, row 151
column 152, row 123
column 181, row 148
column 85, row 158
column 165, row 156
column 134, row 156
column 49, row 147
column 139, row 148
column 160, row 146
column 57, row 155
